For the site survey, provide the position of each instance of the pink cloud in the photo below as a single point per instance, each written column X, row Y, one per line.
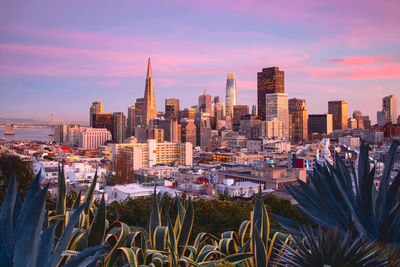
column 375, row 72
column 353, row 61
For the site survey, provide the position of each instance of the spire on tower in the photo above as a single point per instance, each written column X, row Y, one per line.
column 149, row 74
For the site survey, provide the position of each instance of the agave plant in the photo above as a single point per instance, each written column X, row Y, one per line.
column 321, row 248
column 336, row 198
column 23, row 242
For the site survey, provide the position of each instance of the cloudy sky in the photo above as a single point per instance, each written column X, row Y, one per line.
column 59, row 56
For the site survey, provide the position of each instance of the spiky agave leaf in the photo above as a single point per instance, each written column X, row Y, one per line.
column 6, row 223
column 329, row 247
column 335, row 199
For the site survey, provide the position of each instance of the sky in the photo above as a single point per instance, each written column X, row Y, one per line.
column 60, row 56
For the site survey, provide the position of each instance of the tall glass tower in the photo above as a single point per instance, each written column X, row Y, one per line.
column 231, row 94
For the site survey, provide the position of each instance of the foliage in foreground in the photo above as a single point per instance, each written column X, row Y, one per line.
column 350, row 202
column 331, row 200
column 213, row 216
column 330, row 247
column 80, row 234
column 22, row 240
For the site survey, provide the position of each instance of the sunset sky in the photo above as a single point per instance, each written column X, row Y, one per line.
column 59, row 56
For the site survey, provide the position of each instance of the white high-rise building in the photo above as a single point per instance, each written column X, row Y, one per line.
column 277, row 106
column 389, row 106
column 92, row 138
column 272, row 129
column 231, row 94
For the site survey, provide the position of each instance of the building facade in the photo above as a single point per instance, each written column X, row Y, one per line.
column 93, row 138
column 205, row 103
column 149, row 104
column 320, row 124
column 131, row 121
column 389, row 106
column 238, row 112
column 269, row 81
column 104, row 120
column 338, row 109
column 172, row 108
column 119, row 127
column 95, row 109
column 298, row 112
column 130, row 157
column 277, row 106
column 231, row 93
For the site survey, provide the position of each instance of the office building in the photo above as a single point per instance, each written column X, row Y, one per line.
column 205, row 103
column 131, row 121
column 238, row 112
column 357, row 114
column 381, row 117
column 104, row 120
column 272, row 129
column 269, row 81
column 189, row 113
column 73, row 132
column 60, row 134
column 254, row 110
column 203, row 133
column 127, row 158
column 95, row 109
column 366, row 122
column 139, row 109
column 149, row 105
column 299, row 119
column 219, row 111
column 156, row 134
column 93, row 138
column 250, row 126
column 231, row 94
column 338, row 109
column 352, row 123
column 277, row 106
column 188, row 131
column 172, row 108
column 389, row 105
column 320, row 124
column 119, row 127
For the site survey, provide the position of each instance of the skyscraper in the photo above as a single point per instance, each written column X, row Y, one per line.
column 298, row 111
column 188, row 131
column 205, row 103
column 95, row 109
column 119, row 127
column 131, row 121
column 381, row 117
column 219, row 111
column 139, row 109
column 269, row 81
column 189, row 113
column 389, row 105
column 172, row 108
column 104, row 120
column 231, row 93
column 277, row 106
column 338, row 109
column 149, row 107
column 238, row 112
column 320, row 123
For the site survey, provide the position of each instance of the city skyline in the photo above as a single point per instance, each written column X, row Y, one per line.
column 64, row 67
